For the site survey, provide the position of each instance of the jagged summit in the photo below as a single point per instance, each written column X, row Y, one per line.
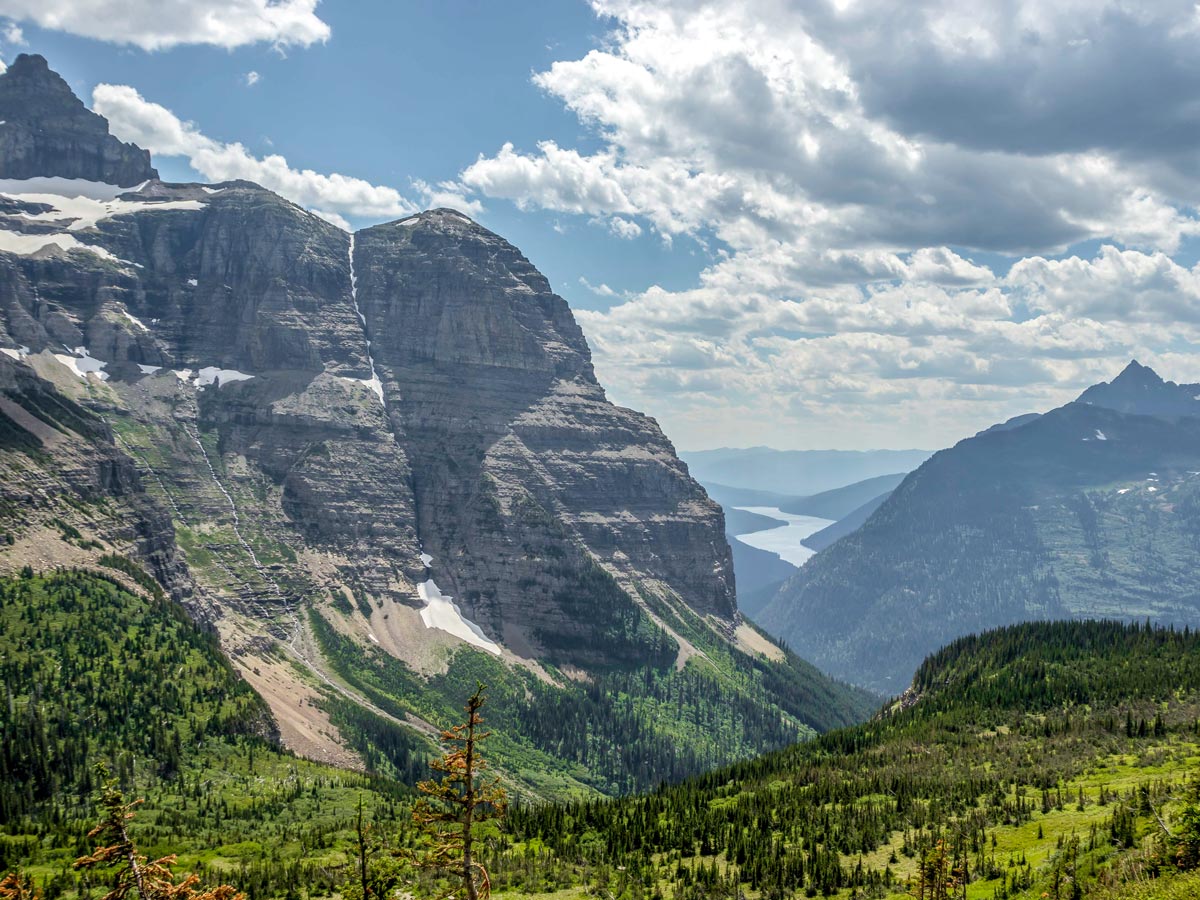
column 1139, row 390
column 1136, row 373
column 47, row 131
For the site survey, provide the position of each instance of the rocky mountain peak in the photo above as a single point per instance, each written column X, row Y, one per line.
column 1139, row 390
column 1137, row 374
column 45, row 130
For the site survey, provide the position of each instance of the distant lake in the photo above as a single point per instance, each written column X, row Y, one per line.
column 784, row 541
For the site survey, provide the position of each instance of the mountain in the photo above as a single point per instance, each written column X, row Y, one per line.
column 47, row 131
column 733, row 497
column 1085, row 511
column 378, row 465
column 1140, row 391
column 1037, row 760
column 840, row 502
column 797, row 473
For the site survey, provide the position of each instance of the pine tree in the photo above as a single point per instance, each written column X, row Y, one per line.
column 456, row 809
column 15, row 886
column 134, row 874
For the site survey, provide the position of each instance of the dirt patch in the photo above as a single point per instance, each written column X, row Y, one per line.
column 750, row 641
column 303, row 726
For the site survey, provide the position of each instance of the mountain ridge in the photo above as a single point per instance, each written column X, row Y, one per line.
column 1081, row 511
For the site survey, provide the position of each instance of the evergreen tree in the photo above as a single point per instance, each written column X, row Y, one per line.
column 457, row 808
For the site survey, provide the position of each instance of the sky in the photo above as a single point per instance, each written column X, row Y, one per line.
column 832, row 224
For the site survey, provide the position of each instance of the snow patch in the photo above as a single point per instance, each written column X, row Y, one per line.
column 210, row 190
column 148, row 370
column 372, row 637
column 192, row 282
column 182, row 374
column 17, row 353
column 64, row 187
column 1123, row 491
column 85, row 212
column 1152, row 489
column 83, row 364
column 29, row 244
column 209, row 374
column 426, row 560
column 134, row 320
column 442, row 613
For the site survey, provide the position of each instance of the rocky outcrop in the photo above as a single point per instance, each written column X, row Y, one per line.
column 68, row 493
column 489, row 384
column 45, row 130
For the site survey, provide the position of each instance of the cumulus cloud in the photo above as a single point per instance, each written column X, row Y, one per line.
column 860, row 173
column 601, row 290
column 252, row 78
column 162, row 24
column 154, row 127
column 625, row 229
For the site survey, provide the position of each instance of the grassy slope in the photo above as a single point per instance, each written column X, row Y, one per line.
column 1000, row 720
column 1011, row 732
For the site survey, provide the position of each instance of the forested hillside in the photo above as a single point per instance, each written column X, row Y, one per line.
column 1031, row 761
column 1038, row 759
column 98, row 671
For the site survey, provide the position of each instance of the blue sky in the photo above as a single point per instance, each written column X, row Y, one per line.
column 800, row 223
column 401, row 91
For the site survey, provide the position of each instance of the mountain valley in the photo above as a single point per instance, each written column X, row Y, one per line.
column 331, row 570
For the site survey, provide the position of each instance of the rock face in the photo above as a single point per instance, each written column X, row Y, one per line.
column 47, row 131
column 65, row 485
column 489, row 385
column 1088, row 511
column 331, row 420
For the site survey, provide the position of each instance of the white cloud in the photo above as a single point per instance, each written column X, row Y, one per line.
column 252, row 78
column 448, row 194
column 625, row 229
column 12, row 34
column 156, row 128
column 162, row 24
column 859, row 172
column 601, row 290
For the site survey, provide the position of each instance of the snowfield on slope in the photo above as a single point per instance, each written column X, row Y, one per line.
column 442, row 612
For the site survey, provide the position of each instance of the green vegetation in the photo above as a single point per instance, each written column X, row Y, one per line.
column 621, row 731
column 1033, row 759
column 95, row 673
column 1051, row 760
column 89, row 677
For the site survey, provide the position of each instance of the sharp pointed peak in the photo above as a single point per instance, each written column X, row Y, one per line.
column 1135, row 371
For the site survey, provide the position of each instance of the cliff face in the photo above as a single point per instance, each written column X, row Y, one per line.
column 47, row 131
column 489, row 385
column 342, row 433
